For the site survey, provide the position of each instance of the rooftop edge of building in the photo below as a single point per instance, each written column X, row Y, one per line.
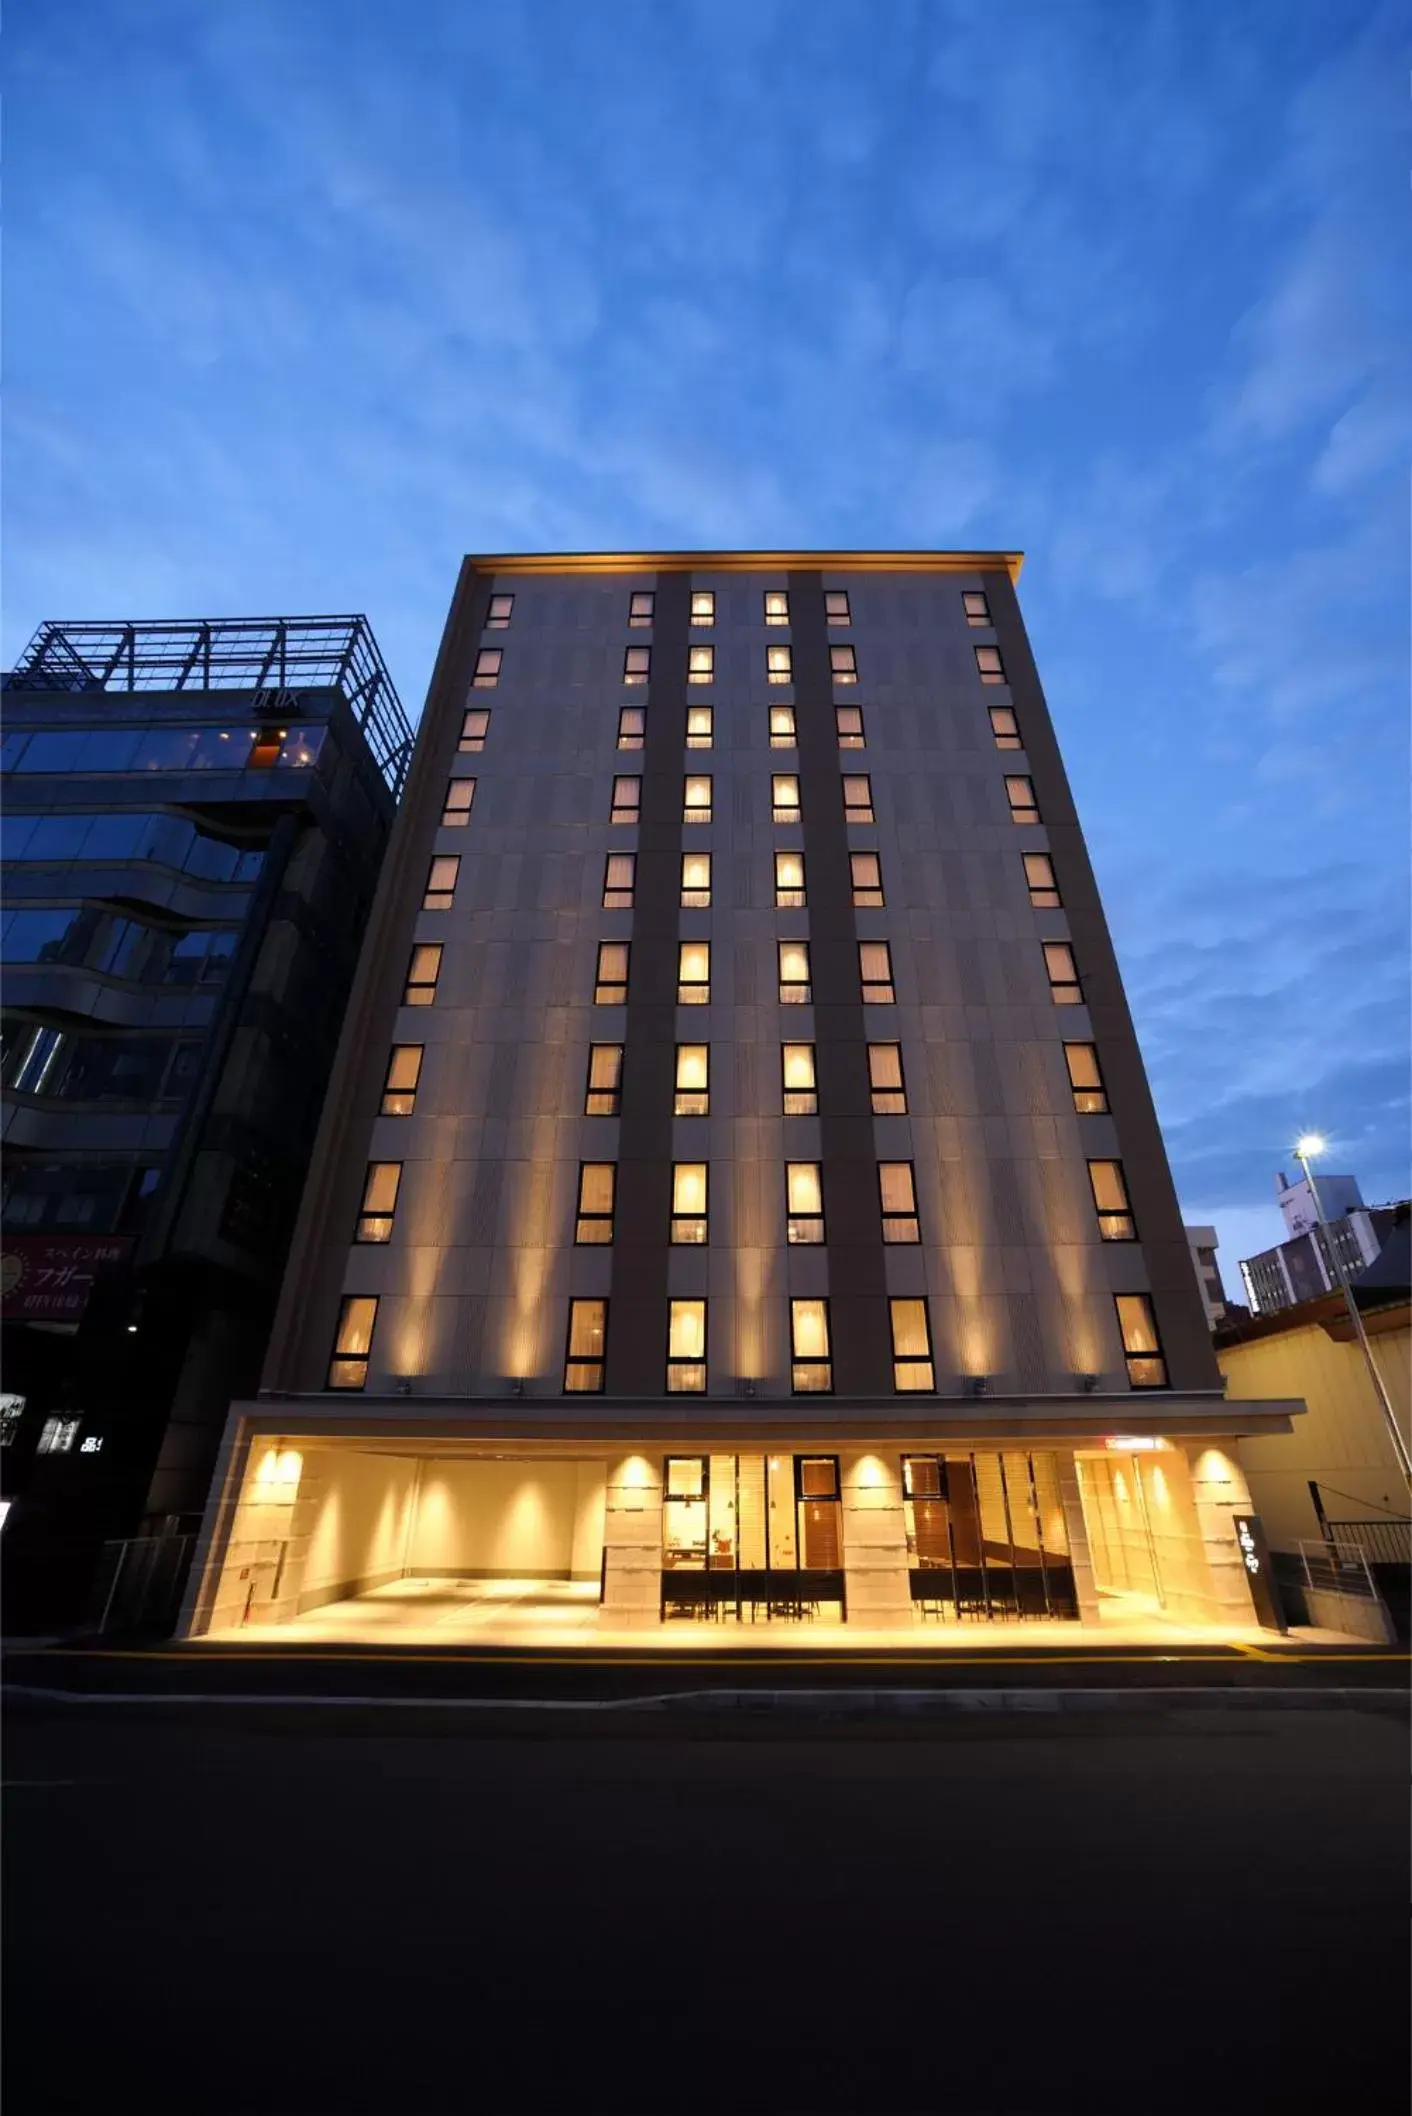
column 611, row 562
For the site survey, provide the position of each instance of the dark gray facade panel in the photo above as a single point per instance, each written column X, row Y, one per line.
column 1186, row 1337
column 637, row 1336
column 862, row 1341
column 302, row 1338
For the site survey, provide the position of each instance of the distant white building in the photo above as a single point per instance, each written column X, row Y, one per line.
column 1203, row 1245
column 1304, row 1267
column 1337, row 1194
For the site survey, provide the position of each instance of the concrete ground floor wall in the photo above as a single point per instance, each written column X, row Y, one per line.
column 314, row 1507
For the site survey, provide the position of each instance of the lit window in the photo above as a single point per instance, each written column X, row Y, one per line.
column 843, row 662
column 696, row 880
column 689, row 1201
column 836, row 606
column 627, row 798
column 885, row 1080
column 422, row 974
column 848, row 722
column 988, row 662
column 875, row 972
column 1063, row 975
column 353, row 1341
column 380, row 1187
column 637, row 664
column 610, row 986
column 804, row 1202
column 783, row 734
column 399, row 1088
column 1020, row 794
column 603, row 1095
column 619, row 873
column 686, row 1347
column 776, row 606
column 641, row 607
column 460, row 797
column 1005, row 727
column 779, row 665
column 500, row 612
column 57, row 1436
column 632, row 727
column 1090, row 1095
column 597, row 1184
column 700, row 721
column 692, row 1096
column 487, row 673
column 866, row 870
column 1039, row 874
column 703, row 606
column 475, row 726
column 784, row 797
column 857, row 797
column 1142, row 1347
column 911, row 1346
column 441, row 882
column 694, row 973
column 701, row 664
column 789, row 879
column 1110, row 1201
column 976, row 607
column 898, row 1191
column 795, row 989
column 583, row 1356
column 696, row 799
column 801, row 1092
column 812, row 1371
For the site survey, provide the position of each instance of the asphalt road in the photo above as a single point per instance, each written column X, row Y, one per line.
column 220, row 1911
column 503, row 1672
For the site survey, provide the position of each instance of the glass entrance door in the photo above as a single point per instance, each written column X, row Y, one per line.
column 986, row 1535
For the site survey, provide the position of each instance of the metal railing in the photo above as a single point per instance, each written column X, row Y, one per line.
column 1381, row 1542
column 271, row 655
column 138, row 1583
column 1333, row 1568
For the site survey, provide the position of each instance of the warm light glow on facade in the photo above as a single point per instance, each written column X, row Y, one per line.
column 277, row 1475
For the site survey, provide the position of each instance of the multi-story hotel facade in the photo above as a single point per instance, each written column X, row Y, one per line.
column 739, row 1196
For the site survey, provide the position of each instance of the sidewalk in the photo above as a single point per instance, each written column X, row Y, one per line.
column 561, row 1616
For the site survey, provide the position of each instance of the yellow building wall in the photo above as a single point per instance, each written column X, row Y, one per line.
column 1341, row 1441
column 362, row 1507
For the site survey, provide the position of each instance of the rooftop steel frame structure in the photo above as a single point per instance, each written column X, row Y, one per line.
column 228, row 654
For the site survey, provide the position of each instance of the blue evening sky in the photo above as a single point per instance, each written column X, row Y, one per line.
column 306, row 298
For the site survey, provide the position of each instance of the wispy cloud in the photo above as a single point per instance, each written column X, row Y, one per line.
column 318, row 298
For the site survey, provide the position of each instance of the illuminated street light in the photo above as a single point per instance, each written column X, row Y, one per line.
column 1304, row 1150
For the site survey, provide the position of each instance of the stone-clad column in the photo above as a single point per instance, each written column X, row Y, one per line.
column 1219, row 1492
column 876, row 1577
column 632, row 1544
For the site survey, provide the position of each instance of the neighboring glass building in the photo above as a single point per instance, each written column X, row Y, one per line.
column 194, row 819
column 741, row 1198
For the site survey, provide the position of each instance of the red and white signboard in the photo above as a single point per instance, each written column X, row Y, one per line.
column 48, row 1278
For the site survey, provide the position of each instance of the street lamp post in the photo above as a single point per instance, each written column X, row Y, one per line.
column 1304, row 1151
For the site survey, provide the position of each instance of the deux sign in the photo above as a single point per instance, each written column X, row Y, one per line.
column 1256, row 1558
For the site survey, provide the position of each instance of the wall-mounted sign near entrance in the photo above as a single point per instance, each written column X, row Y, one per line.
column 1255, row 1557
column 1134, row 1443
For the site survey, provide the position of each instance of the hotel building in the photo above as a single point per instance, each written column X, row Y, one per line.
column 739, row 1198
